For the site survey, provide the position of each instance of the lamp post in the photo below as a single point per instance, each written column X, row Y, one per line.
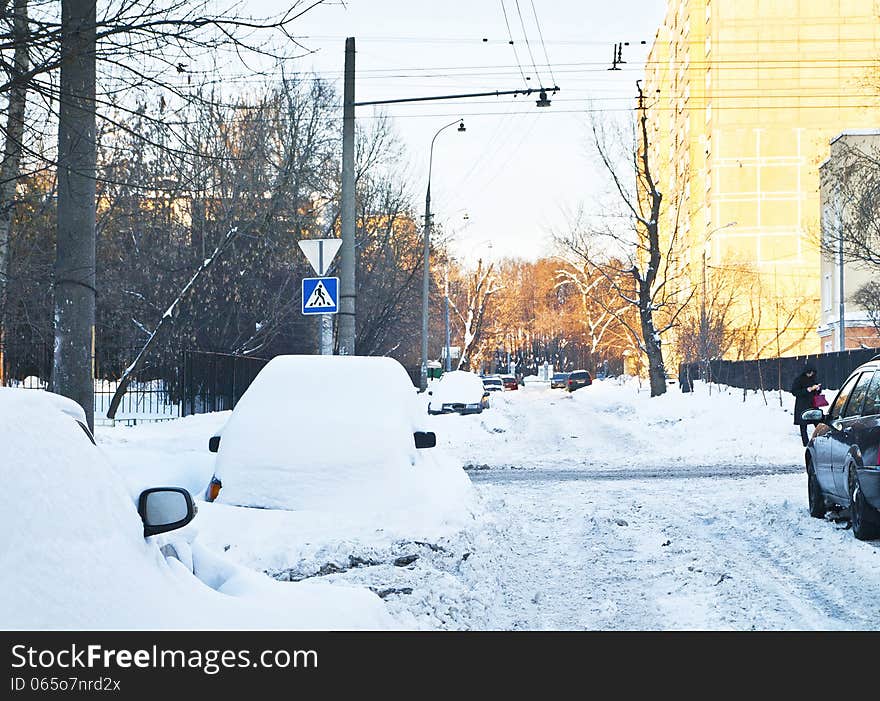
column 704, row 320
column 426, row 277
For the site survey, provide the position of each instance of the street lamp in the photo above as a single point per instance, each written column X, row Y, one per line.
column 704, row 321
column 426, row 277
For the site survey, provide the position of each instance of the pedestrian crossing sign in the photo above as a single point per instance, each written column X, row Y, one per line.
column 320, row 295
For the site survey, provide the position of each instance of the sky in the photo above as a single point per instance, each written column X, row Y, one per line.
column 518, row 172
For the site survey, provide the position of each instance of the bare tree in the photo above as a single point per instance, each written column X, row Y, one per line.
column 14, row 133
column 627, row 247
column 868, row 298
column 479, row 286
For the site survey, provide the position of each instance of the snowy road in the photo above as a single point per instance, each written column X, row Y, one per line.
column 611, row 510
column 639, row 554
column 600, row 510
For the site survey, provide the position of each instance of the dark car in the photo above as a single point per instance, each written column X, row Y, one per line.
column 842, row 456
column 509, row 382
column 559, row 380
column 578, row 379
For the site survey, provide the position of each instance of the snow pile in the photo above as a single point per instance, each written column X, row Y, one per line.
column 618, row 426
column 335, row 433
column 456, row 387
column 73, row 555
column 169, row 453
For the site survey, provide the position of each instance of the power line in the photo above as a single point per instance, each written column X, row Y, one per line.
column 528, row 45
column 515, row 54
column 544, row 46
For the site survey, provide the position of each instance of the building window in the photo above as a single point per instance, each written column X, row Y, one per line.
column 827, row 292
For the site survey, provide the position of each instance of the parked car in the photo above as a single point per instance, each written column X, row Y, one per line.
column 333, row 433
column 510, row 382
column 841, row 459
column 458, row 391
column 90, row 553
column 493, row 383
column 578, row 379
column 559, row 380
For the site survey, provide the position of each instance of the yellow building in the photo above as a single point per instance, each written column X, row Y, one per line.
column 743, row 97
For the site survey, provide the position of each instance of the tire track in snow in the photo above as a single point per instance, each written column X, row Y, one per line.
column 623, row 555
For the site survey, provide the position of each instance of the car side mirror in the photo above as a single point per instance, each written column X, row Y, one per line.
column 813, row 415
column 425, row 439
column 164, row 509
column 214, row 444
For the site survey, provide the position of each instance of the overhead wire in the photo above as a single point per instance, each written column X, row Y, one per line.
column 528, row 45
column 543, row 45
column 515, row 53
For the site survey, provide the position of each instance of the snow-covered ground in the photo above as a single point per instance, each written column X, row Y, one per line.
column 602, row 509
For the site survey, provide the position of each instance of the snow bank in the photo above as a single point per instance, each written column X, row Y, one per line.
column 613, row 425
column 335, row 433
column 73, row 555
column 171, row 453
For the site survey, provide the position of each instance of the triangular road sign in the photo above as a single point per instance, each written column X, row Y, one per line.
column 320, row 252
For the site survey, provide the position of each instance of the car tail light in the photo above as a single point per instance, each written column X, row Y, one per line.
column 214, row 489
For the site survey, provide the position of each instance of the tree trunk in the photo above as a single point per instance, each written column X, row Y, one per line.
column 656, row 369
column 9, row 170
column 73, row 368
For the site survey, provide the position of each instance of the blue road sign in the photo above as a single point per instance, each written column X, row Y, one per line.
column 320, row 295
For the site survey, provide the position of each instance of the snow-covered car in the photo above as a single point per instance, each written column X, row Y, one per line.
column 493, row 383
column 460, row 392
column 80, row 551
column 330, row 433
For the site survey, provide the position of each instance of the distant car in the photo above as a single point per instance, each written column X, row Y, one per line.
column 578, row 379
column 459, row 391
column 493, row 383
column 841, row 459
column 559, row 380
column 510, row 382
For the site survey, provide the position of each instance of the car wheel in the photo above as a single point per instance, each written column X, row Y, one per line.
column 862, row 517
column 814, row 494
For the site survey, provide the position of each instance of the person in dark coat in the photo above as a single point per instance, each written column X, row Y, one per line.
column 804, row 388
column 684, row 378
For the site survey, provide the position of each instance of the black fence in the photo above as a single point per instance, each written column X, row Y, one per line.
column 832, row 369
column 215, row 381
column 154, row 392
column 166, row 387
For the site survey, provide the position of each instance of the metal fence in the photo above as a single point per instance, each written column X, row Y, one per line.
column 215, row 381
column 166, row 387
column 832, row 369
column 153, row 395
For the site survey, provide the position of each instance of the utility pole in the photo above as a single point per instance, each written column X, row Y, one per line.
column 426, row 283
column 347, row 291
column 448, row 359
column 842, row 331
column 73, row 362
